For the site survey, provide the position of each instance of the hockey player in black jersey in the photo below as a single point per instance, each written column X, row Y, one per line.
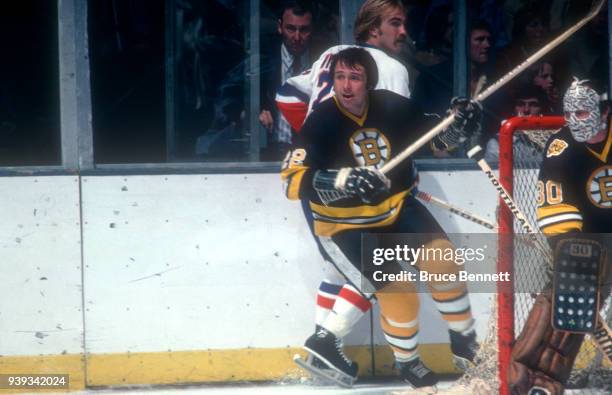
column 334, row 164
column 574, row 207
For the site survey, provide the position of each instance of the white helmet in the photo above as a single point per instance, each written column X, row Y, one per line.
column 580, row 97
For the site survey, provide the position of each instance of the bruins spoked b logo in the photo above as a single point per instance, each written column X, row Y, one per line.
column 599, row 187
column 370, row 147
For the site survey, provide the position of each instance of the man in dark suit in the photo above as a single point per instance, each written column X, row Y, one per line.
column 288, row 57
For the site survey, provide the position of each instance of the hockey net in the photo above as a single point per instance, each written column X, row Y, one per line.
column 521, row 145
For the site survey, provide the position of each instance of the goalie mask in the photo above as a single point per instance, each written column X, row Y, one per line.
column 581, row 108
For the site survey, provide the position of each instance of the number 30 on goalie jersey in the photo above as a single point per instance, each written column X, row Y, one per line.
column 574, row 190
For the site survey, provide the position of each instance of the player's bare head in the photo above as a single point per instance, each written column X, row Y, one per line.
column 295, row 26
column 354, row 72
column 381, row 23
column 582, row 111
column 354, row 57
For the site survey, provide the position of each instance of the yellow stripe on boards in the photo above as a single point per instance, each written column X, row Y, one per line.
column 179, row 367
column 71, row 364
column 176, row 367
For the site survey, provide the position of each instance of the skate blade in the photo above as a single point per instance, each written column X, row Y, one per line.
column 462, row 364
column 330, row 375
column 428, row 390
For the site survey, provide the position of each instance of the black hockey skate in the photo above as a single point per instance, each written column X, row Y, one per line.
column 327, row 349
column 464, row 348
column 418, row 375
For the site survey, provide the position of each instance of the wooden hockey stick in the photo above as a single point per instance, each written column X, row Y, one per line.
column 603, row 335
column 426, row 197
column 424, row 139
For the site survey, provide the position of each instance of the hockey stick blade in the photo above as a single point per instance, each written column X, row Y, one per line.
column 424, row 139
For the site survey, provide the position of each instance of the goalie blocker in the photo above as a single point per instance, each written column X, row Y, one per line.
column 578, row 266
column 544, row 354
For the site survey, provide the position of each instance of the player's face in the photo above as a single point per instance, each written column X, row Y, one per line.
column 296, row 31
column 480, row 43
column 544, row 78
column 392, row 31
column 525, row 107
column 350, row 85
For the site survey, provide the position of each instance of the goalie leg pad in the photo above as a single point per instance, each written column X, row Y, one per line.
column 542, row 357
column 577, row 268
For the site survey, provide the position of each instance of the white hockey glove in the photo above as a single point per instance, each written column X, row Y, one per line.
column 466, row 125
column 366, row 183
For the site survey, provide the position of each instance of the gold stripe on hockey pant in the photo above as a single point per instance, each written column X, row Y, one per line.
column 292, row 179
column 399, row 310
column 451, row 297
column 330, row 220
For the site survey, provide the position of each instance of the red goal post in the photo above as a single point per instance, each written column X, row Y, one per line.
column 507, row 171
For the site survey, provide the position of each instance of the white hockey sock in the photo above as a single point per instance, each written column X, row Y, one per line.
column 326, row 297
column 349, row 307
column 463, row 327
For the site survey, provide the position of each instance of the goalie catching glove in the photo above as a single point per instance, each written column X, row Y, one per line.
column 465, row 126
column 368, row 184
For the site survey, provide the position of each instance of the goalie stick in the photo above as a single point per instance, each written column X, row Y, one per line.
column 494, row 87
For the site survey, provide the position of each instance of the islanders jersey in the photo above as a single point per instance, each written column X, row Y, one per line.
column 575, row 186
column 299, row 95
column 332, row 138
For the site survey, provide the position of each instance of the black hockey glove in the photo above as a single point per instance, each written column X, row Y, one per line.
column 366, row 183
column 466, row 125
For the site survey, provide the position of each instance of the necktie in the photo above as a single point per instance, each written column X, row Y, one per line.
column 296, row 67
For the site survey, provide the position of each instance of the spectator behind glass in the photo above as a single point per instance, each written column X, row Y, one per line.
column 528, row 100
column 438, row 36
column 434, row 87
column 542, row 75
column 529, row 33
column 283, row 56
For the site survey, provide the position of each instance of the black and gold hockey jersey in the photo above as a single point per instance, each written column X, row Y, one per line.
column 333, row 138
column 575, row 186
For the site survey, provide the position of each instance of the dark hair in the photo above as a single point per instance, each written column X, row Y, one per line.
column 480, row 24
column 354, row 56
column 525, row 91
column 534, row 70
column 524, row 17
column 298, row 7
